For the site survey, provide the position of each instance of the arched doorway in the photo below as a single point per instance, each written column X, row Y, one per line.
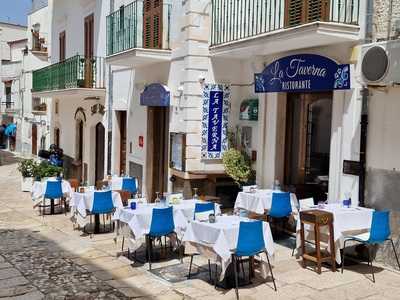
column 34, row 139
column 100, row 144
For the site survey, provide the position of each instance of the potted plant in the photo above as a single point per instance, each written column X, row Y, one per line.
column 46, row 170
column 28, row 170
column 238, row 166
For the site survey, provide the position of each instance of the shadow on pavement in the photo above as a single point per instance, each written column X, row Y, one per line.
column 8, row 158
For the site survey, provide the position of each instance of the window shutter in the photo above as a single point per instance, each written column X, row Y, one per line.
column 152, row 24
column 301, row 11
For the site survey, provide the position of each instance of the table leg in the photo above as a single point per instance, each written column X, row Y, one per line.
column 52, row 206
column 318, row 246
column 96, row 223
column 333, row 250
column 303, row 244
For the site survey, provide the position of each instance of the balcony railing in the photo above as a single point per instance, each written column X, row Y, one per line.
column 38, row 107
column 233, row 20
column 7, row 106
column 75, row 72
column 131, row 27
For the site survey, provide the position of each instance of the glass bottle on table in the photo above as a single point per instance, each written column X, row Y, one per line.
column 195, row 195
column 157, row 200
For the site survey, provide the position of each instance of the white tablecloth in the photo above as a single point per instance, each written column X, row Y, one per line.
column 346, row 221
column 139, row 220
column 220, row 238
column 259, row 201
column 81, row 202
column 39, row 189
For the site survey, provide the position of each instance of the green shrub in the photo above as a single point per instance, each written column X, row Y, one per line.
column 28, row 168
column 31, row 168
column 237, row 165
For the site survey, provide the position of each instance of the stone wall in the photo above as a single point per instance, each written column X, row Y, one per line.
column 381, row 19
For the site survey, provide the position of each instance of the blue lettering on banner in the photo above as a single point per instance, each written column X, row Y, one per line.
column 303, row 73
column 214, row 135
column 215, row 121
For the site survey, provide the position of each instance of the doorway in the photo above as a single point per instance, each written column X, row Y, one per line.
column 100, row 144
column 157, row 151
column 34, row 139
column 79, row 151
column 308, row 139
column 122, row 146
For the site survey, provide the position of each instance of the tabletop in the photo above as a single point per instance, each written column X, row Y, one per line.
column 221, row 238
column 39, row 188
column 346, row 221
column 259, row 201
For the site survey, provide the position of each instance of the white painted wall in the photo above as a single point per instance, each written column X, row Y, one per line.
column 9, row 32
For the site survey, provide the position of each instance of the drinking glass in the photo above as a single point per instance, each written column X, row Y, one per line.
column 157, row 200
column 195, row 195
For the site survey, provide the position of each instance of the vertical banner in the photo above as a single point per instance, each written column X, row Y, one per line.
column 214, row 137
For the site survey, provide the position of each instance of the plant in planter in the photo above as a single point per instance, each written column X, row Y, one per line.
column 237, row 165
column 45, row 170
column 28, row 169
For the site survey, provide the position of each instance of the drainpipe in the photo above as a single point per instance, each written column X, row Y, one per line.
column 110, row 106
column 389, row 25
column 364, row 110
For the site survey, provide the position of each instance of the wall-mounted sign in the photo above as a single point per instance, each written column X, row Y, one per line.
column 249, row 110
column 155, row 94
column 177, row 151
column 303, row 73
column 214, row 138
column 141, row 141
column 351, row 167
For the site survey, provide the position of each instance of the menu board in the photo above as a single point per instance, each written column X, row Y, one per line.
column 177, row 151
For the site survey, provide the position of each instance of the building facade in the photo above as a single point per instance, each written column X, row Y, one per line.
column 12, row 46
column 75, row 82
column 198, row 46
column 35, row 119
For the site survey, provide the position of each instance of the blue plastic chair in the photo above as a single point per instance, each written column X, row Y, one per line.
column 203, row 207
column 199, row 208
column 102, row 205
column 53, row 191
column 162, row 225
column 129, row 184
column 379, row 233
column 250, row 242
column 281, row 206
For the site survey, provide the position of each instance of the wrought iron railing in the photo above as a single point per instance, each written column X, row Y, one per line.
column 126, row 29
column 7, row 106
column 75, row 72
column 234, row 20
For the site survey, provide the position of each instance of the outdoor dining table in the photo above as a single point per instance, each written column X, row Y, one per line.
column 138, row 221
column 81, row 203
column 218, row 240
column 346, row 221
column 39, row 189
column 259, row 201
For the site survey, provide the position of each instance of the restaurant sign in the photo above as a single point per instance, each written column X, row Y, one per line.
column 303, row 73
column 214, row 137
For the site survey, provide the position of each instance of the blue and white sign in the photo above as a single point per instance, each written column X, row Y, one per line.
column 214, row 138
column 303, row 73
column 155, row 94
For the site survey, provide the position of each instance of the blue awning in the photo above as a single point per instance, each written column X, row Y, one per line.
column 155, row 94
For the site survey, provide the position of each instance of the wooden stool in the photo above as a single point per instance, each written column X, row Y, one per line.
column 318, row 218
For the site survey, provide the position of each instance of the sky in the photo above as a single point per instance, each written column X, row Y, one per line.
column 14, row 11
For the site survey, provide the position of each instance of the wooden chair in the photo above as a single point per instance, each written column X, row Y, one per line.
column 125, row 196
column 317, row 219
column 74, row 184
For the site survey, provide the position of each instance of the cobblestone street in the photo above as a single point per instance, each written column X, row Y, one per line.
column 45, row 258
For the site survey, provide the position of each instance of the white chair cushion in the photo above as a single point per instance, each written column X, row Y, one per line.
column 306, row 203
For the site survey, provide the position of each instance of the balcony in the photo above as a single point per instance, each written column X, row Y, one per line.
column 262, row 27
column 77, row 75
column 8, row 108
column 138, row 34
column 38, row 107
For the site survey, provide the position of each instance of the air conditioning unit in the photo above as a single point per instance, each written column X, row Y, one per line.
column 380, row 63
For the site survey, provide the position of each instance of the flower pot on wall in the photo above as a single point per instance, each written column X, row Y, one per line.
column 26, row 184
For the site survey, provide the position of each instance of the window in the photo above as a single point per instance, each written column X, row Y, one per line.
column 62, row 46
column 152, row 24
column 56, row 108
column 57, row 137
column 43, row 142
column 89, row 36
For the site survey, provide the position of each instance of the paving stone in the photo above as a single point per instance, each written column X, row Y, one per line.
column 17, row 291
column 9, row 273
column 12, row 282
column 29, row 296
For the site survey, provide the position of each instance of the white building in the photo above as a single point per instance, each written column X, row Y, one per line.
column 196, row 43
column 36, row 111
column 75, row 82
column 12, row 46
